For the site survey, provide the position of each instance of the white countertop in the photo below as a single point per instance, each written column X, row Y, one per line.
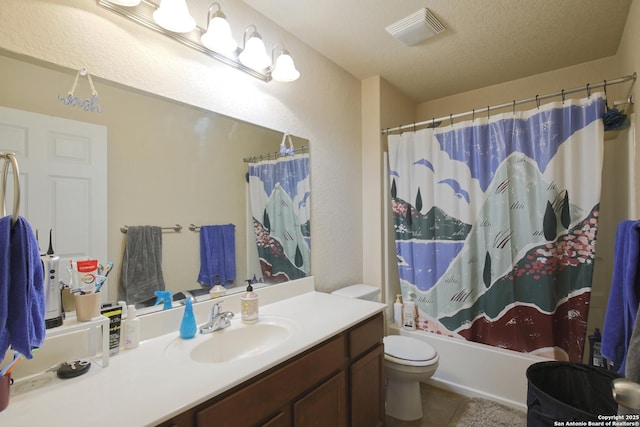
column 143, row 387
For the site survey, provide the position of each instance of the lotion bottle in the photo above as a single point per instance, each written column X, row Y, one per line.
column 397, row 310
column 131, row 329
column 249, row 305
column 188, row 327
column 409, row 313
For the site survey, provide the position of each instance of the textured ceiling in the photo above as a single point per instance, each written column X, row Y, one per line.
column 486, row 41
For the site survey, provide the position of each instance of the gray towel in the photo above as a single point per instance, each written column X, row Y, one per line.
column 632, row 366
column 141, row 272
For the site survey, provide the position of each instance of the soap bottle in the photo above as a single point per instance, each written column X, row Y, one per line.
column 188, row 327
column 397, row 310
column 409, row 313
column 217, row 290
column 249, row 305
column 131, row 329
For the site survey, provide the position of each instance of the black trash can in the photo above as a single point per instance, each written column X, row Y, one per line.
column 567, row 391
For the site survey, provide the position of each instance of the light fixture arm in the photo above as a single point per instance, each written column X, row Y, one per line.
column 283, row 51
column 216, row 14
column 254, row 33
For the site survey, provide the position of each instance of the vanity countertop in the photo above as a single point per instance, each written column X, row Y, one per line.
column 143, row 387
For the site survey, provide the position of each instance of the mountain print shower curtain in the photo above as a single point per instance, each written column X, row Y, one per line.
column 495, row 225
column 279, row 193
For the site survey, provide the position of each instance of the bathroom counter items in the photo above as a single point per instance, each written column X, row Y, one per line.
column 172, row 386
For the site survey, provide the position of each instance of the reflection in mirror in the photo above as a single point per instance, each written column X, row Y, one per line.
column 170, row 163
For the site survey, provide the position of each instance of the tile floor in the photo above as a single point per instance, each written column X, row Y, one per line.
column 442, row 408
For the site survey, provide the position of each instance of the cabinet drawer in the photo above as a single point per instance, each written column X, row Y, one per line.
column 366, row 335
column 324, row 406
column 258, row 401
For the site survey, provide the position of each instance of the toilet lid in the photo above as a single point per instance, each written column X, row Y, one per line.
column 407, row 348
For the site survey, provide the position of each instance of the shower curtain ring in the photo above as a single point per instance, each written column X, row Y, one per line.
column 514, row 106
column 488, row 114
column 433, row 123
column 473, row 115
column 588, row 90
column 562, row 93
column 451, row 119
column 414, row 127
column 538, row 101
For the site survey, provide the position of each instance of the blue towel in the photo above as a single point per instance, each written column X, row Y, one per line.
column 217, row 254
column 25, row 327
column 624, row 295
column 5, row 281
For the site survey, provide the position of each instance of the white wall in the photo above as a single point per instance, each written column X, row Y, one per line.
column 322, row 106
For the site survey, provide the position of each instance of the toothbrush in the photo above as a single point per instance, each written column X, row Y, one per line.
column 106, row 274
column 17, row 358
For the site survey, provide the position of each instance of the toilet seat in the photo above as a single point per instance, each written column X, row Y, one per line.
column 409, row 351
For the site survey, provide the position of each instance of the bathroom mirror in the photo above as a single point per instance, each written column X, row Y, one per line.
column 168, row 163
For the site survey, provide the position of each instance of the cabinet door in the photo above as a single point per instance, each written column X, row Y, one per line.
column 367, row 389
column 324, row 406
column 183, row 420
column 282, row 419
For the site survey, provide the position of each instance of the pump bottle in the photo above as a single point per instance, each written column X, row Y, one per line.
column 249, row 305
column 397, row 310
column 131, row 329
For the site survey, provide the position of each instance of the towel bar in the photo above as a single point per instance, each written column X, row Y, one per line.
column 175, row 228
column 10, row 158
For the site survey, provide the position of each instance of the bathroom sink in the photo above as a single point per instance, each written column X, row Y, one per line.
column 238, row 341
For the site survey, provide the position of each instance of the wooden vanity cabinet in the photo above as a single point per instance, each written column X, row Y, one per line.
column 337, row 383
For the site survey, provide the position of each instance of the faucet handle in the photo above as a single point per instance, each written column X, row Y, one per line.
column 217, row 307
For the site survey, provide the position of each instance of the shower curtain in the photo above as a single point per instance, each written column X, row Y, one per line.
column 279, row 191
column 495, row 225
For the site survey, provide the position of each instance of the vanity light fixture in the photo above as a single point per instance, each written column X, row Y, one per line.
column 173, row 15
column 128, row 3
column 284, row 69
column 218, row 36
column 254, row 54
column 172, row 19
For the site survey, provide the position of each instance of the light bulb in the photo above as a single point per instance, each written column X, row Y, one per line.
column 254, row 54
column 218, row 36
column 285, row 69
column 173, row 15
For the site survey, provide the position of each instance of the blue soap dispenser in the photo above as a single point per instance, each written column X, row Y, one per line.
column 188, row 327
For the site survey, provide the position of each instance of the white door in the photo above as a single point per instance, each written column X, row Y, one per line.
column 63, row 182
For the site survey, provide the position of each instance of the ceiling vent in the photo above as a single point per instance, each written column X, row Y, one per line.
column 416, row 27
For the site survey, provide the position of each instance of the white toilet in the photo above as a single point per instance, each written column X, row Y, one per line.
column 407, row 362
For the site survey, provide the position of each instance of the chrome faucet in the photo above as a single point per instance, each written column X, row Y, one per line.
column 219, row 319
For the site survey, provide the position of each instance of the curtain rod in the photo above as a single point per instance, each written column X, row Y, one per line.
column 513, row 104
column 274, row 155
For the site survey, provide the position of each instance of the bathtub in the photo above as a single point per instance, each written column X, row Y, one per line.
column 478, row 370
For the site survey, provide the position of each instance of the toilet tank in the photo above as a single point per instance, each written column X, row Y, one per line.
column 359, row 291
